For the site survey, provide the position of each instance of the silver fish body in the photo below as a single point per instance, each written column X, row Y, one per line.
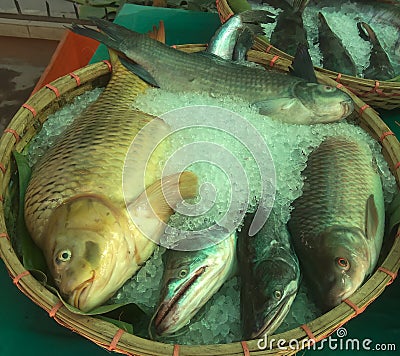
column 278, row 95
column 337, row 224
column 270, row 276
column 225, row 39
column 190, row 279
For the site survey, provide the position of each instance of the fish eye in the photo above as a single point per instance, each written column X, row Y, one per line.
column 328, row 88
column 63, row 256
column 278, row 294
column 183, row 273
column 343, row 263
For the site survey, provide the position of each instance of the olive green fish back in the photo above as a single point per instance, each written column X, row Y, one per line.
column 339, row 178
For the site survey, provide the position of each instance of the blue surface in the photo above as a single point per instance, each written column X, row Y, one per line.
column 182, row 26
column 26, row 329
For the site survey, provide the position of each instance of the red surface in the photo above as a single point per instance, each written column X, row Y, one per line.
column 73, row 52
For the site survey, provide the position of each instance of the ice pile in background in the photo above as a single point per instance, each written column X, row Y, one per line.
column 344, row 23
column 289, row 145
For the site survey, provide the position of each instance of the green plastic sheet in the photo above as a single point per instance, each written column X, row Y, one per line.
column 26, row 329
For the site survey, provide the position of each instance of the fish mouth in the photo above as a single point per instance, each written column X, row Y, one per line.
column 347, row 108
column 81, row 292
column 166, row 307
column 273, row 319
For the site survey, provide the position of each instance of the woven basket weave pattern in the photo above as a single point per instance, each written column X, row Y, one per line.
column 28, row 121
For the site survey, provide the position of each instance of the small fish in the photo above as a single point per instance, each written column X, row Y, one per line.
column 379, row 63
column 289, row 31
column 270, row 276
column 225, row 39
column 335, row 55
column 76, row 209
column 276, row 94
column 337, row 224
column 190, row 279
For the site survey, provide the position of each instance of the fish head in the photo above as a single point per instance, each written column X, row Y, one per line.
column 340, row 266
column 275, row 285
column 83, row 241
column 190, row 279
column 324, row 103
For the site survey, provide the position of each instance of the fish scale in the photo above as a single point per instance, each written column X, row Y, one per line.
column 96, row 204
column 280, row 96
column 337, row 224
column 89, row 155
column 329, row 176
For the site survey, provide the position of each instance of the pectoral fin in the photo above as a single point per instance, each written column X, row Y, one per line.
column 158, row 201
column 139, row 71
column 371, row 218
column 269, row 107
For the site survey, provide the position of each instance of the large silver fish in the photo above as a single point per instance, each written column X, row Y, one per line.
column 190, row 279
column 270, row 275
column 281, row 96
column 337, row 224
column 230, row 35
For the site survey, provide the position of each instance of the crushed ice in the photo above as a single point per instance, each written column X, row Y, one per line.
column 344, row 24
column 289, row 145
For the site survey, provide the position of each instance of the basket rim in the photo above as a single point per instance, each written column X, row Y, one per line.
column 111, row 337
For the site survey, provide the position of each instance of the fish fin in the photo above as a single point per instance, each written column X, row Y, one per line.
column 158, row 34
column 96, row 35
column 371, row 218
column 278, row 4
column 257, row 17
column 300, row 5
column 269, row 107
column 302, row 65
column 244, row 42
column 162, row 196
column 139, row 71
column 366, row 33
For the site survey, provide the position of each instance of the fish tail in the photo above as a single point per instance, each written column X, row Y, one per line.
column 300, row 5
column 366, row 32
column 257, row 17
column 112, row 35
column 96, row 35
column 297, row 5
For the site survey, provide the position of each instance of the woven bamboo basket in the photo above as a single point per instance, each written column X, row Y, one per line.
column 27, row 122
column 378, row 94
